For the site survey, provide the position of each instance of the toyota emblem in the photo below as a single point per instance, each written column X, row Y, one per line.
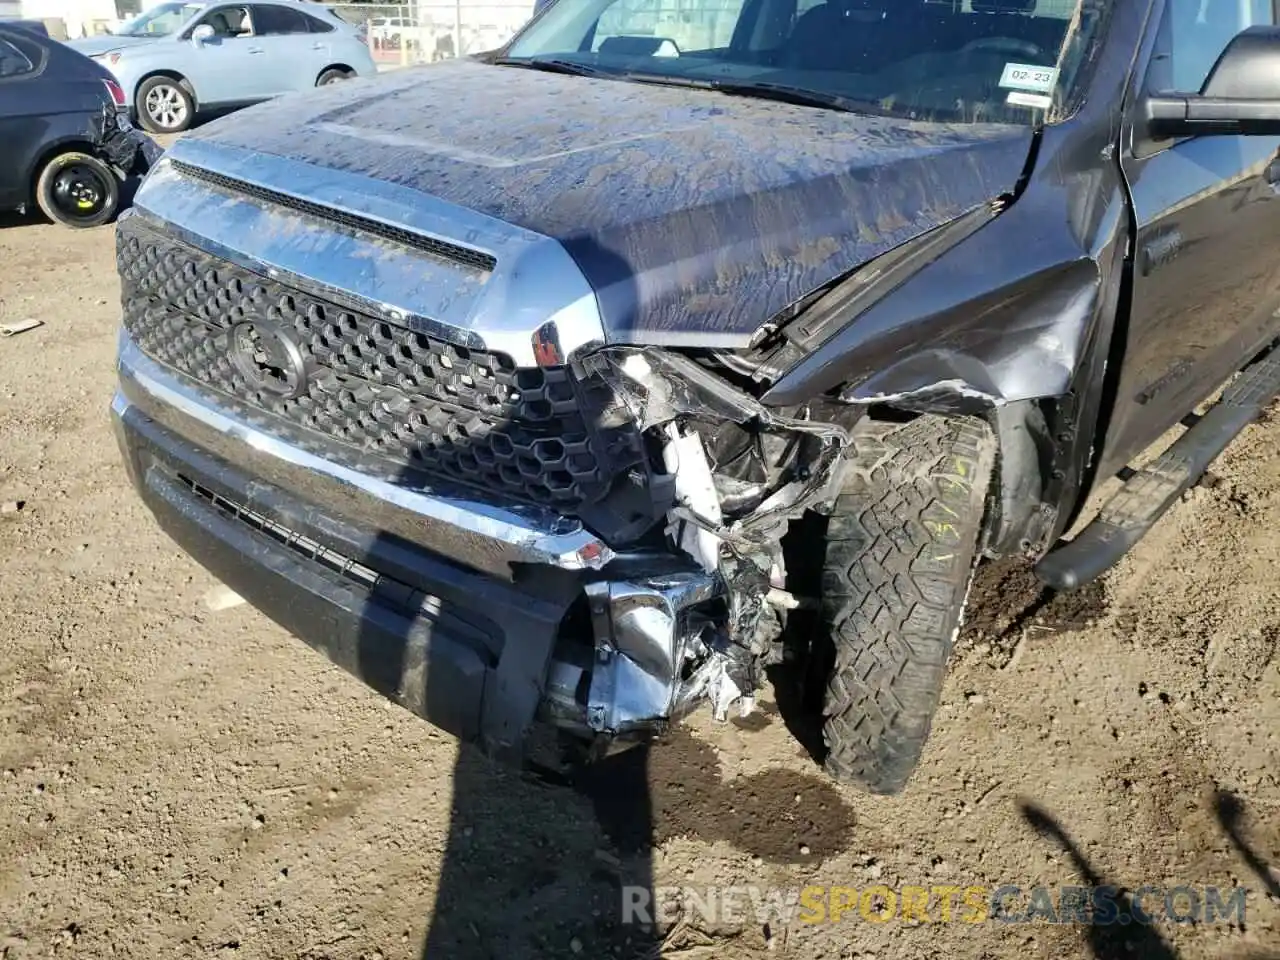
column 269, row 359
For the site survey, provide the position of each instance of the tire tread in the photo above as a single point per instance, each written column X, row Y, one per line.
column 900, row 552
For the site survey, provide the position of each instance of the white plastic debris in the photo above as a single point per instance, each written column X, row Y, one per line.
column 19, row 326
column 684, row 457
column 222, row 598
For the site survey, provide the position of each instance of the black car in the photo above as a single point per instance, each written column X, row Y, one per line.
column 31, row 25
column 66, row 142
column 582, row 382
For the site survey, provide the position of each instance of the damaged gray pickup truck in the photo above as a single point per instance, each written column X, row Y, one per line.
column 501, row 381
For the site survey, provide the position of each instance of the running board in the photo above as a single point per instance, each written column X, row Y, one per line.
column 1145, row 496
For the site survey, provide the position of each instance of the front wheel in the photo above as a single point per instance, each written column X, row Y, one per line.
column 164, row 105
column 332, row 75
column 901, row 548
column 78, row 190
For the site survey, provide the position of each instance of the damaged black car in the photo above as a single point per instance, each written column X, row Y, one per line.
column 67, row 145
column 503, row 381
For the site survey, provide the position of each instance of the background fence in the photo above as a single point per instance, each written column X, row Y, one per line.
column 430, row 30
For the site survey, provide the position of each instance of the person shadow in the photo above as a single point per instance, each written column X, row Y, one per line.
column 527, row 871
column 1110, row 941
column 547, row 856
column 1128, row 938
column 1230, row 810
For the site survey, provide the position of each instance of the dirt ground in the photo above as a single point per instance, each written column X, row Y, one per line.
column 176, row 782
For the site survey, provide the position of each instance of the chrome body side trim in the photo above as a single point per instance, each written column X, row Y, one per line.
column 485, row 536
column 534, row 281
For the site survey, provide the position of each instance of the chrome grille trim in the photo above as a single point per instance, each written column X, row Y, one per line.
column 471, row 531
column 534, row 287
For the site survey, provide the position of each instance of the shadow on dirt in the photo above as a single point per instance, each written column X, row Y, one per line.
column 1230, row 813
column 1106, row 940
column 1116, row 931
column 509, row 887
column 557, row 863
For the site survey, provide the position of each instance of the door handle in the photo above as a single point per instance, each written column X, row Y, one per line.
column 256, row 50
column 317, row 46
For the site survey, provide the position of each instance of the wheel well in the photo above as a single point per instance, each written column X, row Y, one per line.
column 1018, row 518
column 172, row 75
column 334, row 66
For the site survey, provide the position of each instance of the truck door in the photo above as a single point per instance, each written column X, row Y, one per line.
column 1206, row 277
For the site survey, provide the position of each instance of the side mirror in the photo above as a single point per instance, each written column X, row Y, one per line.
column 201, row 35
column 1241, row 96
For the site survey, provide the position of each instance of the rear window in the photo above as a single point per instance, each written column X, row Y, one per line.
column 316, row 25
column 270, row 20
column 13, row 62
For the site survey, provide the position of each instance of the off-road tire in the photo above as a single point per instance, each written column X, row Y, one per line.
column 901, row 548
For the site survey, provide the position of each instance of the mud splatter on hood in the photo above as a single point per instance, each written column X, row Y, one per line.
column 696, row 215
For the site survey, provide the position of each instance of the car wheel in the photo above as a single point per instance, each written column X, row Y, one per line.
column 332, row 75
column 901, row 548
column 164, row 106
column 78, row 190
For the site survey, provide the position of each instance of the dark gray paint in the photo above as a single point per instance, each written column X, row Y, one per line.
column 694, row 214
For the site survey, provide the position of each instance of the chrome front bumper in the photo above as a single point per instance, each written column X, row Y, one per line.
column 456, row 608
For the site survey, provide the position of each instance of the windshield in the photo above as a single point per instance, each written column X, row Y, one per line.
column 160, row 20
column 1004, row 61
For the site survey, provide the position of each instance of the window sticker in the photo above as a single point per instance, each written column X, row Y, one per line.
column 1027, row 76
column 1037, row 100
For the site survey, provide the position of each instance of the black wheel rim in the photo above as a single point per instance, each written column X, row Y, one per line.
column 80, row 192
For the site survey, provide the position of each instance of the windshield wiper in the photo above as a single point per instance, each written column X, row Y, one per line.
column 551, row 65
column 764, row 90
column 801, row 96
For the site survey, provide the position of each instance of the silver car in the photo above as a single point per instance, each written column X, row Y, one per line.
column 178, row 58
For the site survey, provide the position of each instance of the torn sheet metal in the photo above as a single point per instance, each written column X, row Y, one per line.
column 122, row 145
column 646, row 633
column 691, row 407
column 657, row 386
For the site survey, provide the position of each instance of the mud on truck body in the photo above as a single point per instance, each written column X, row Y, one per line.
column 501, row 381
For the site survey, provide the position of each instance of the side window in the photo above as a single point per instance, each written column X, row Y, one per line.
column 13, row 62
column 316, row 25
column 1193, row 34
column 270, row 20
column 229, row 21
column 708, row 26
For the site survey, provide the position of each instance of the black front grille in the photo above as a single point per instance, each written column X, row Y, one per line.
column 410, row 398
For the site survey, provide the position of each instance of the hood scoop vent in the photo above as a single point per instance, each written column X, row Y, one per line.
column 441, row 249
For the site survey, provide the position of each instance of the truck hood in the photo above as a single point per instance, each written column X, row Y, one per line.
column 106, row 43
column 695, row 215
